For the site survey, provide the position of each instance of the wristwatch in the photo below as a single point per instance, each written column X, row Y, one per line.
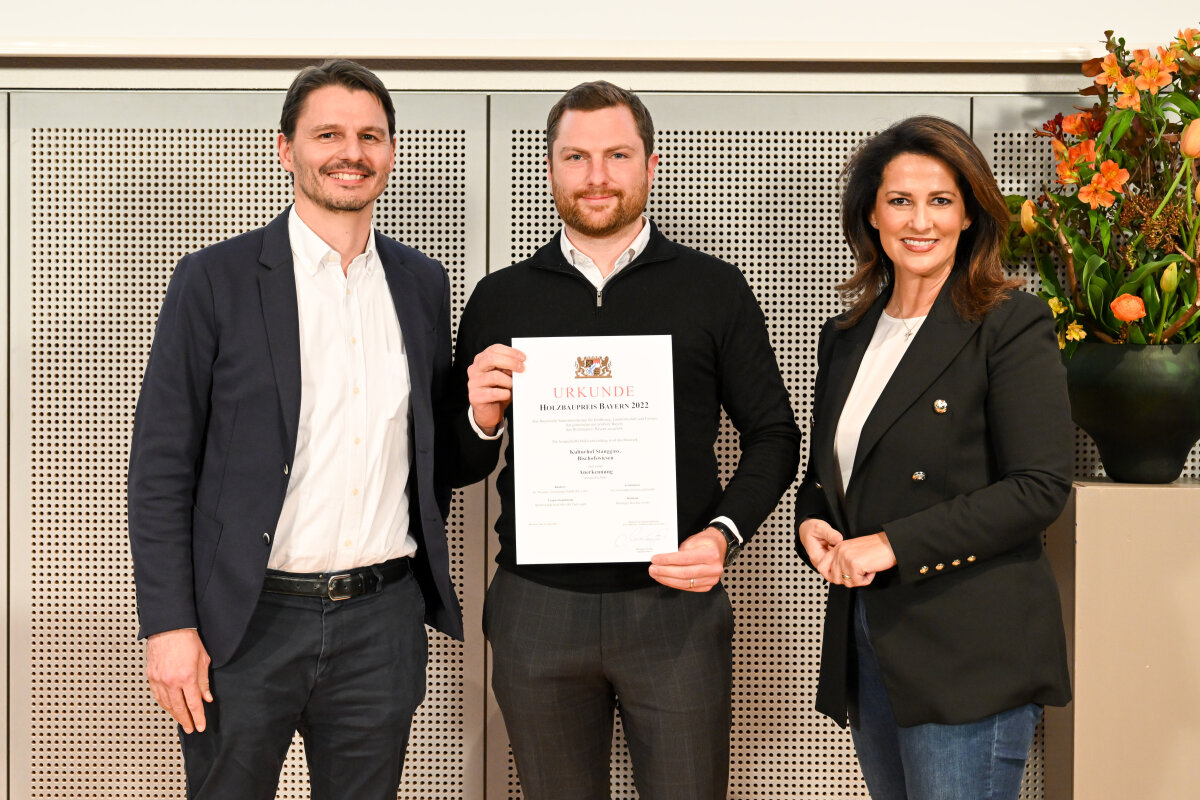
column 733, row 545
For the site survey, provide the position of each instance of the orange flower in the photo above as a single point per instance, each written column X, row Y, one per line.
column 1077, row 124
column 1111, row 71
column 1096, row 193
column 1070, row 159
column 1114, row 176
column 1128, row 308
column 1168, row 58
column 1188, row 38
column 1189, row 140
column 1067, row 174
column 1130, row 96
column 1084, row 152
column 1152, row 76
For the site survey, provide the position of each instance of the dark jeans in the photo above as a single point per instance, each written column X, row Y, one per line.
column 348, row 675
column 981, row 760
column 562, row 660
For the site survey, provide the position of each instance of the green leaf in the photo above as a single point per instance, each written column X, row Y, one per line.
column 1187, row 287
column 1049, row 275
column 1095, row 299
column 1137, row 335
column 1139, row 275
column 1082, row 247
column 1090, row 268
column 1185, row 104
column 1014, row 202
column 1150, row 298
column 1123, row 118
column 1105, row 236
column 1121, row 126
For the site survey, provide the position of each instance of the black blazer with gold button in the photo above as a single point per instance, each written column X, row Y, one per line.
column 965, row 459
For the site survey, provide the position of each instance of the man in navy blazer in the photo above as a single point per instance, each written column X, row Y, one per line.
column 286, row 510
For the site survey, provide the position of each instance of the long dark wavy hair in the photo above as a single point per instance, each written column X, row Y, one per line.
column 981, row 282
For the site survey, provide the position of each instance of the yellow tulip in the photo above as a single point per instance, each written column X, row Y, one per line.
column 1170, row 279
column 1028, row 223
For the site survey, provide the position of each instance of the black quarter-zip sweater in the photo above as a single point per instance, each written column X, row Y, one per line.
column 722, row 357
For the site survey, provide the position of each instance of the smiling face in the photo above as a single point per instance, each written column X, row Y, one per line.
column 919, row 212
column 599, row 173
column 340, row 155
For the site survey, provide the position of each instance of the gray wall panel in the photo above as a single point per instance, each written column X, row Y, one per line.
column 5, row 228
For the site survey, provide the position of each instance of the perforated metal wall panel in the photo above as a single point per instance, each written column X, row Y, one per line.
column 752, row 180
column 5, row 228
column 110, row 190
column 1024, row 164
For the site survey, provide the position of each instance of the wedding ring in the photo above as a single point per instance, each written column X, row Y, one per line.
column 845, row 577
column 691, row 583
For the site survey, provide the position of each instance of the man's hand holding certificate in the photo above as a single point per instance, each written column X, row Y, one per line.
column 594, row 463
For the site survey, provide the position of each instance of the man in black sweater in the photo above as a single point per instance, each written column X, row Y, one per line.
column 570, row 641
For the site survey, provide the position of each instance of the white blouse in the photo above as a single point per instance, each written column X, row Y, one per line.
column 888, row 345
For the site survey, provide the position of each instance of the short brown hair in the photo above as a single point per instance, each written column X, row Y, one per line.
column 594, row 96
column 334, row 72
column 983, row 283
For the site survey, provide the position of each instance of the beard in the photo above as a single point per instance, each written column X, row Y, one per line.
column 308, row 183
column 599, row 224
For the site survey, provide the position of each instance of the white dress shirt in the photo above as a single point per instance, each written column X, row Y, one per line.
column 582, row 262
column 347, row 501
column 888, row 345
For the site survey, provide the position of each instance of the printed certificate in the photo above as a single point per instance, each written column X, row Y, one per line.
column 594, row 449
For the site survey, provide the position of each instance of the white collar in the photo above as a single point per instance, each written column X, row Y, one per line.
column 313, row 251
column 635, row 249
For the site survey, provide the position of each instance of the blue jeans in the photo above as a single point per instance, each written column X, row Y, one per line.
column 982, row 760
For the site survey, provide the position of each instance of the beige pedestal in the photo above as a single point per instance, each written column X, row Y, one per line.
column 1128, row 563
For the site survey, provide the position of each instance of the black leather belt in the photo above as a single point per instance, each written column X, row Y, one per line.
column 337, row 585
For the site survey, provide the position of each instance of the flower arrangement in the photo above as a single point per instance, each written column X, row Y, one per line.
column 1114, row 238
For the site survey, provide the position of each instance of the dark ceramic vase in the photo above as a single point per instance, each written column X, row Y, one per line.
column 1140, row 404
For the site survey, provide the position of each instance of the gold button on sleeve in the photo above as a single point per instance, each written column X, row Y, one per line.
column 971, row 558
column 924, row 570
column 956, row 562
column 940, row 566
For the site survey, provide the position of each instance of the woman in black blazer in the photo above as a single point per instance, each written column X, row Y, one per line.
column 941, row 448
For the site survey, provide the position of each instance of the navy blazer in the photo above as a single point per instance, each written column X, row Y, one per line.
column 966, row 457
column 215, row 433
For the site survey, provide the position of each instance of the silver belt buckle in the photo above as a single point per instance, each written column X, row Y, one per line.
column 345, row 576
